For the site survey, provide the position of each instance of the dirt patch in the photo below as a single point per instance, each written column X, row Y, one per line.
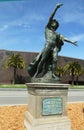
column 12, row 117
column 76, row 114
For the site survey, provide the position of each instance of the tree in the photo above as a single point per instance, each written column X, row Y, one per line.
column 15, row 61
column 79, row 72
column 74, row 69
column 60, row 71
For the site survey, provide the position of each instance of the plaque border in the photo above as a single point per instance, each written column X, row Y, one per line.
column 53, row 113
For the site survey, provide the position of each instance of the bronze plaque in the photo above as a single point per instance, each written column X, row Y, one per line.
column 52, row 106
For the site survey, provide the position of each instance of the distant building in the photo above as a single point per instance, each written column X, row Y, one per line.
column 6, row 75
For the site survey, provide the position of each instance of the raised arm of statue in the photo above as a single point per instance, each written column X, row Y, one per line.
column 53, row 13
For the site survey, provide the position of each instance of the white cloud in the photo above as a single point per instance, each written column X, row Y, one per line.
column 4, row 27
column 36, row 17
column 74, row 17
column 18, row 23
column 79, row 37
column 73, row 12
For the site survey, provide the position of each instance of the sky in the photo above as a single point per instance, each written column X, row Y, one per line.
column 22, row 25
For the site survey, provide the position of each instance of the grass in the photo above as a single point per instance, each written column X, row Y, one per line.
column 24, row 86
column 12, row 86
column 77, row 87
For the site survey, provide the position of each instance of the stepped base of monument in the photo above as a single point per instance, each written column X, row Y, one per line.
column 47, row 107
column 46, row 123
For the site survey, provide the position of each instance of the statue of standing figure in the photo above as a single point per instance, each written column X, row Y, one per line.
column 47, row 59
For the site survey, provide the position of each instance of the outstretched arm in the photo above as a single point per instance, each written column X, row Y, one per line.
column 73, row 42
column 67, row 40
column 54, row 11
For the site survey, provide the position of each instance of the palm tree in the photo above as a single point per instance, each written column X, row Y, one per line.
column 79, row 72
column 74, row 69
column 15, row 61
column 60, row 71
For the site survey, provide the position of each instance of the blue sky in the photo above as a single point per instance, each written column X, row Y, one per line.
column 22, row 25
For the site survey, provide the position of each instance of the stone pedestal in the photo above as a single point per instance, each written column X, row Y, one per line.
column 47, row 107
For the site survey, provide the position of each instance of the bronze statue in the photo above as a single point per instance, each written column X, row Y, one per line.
column 47, row 59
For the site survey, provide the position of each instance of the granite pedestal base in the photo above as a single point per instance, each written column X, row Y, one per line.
column 47, row 106
column 52, row 123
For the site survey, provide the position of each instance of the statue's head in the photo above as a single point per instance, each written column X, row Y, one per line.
column 54, row 24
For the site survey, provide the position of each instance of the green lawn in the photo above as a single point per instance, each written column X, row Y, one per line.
column 77, row 86
column 12, row 86
column 24, row 86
